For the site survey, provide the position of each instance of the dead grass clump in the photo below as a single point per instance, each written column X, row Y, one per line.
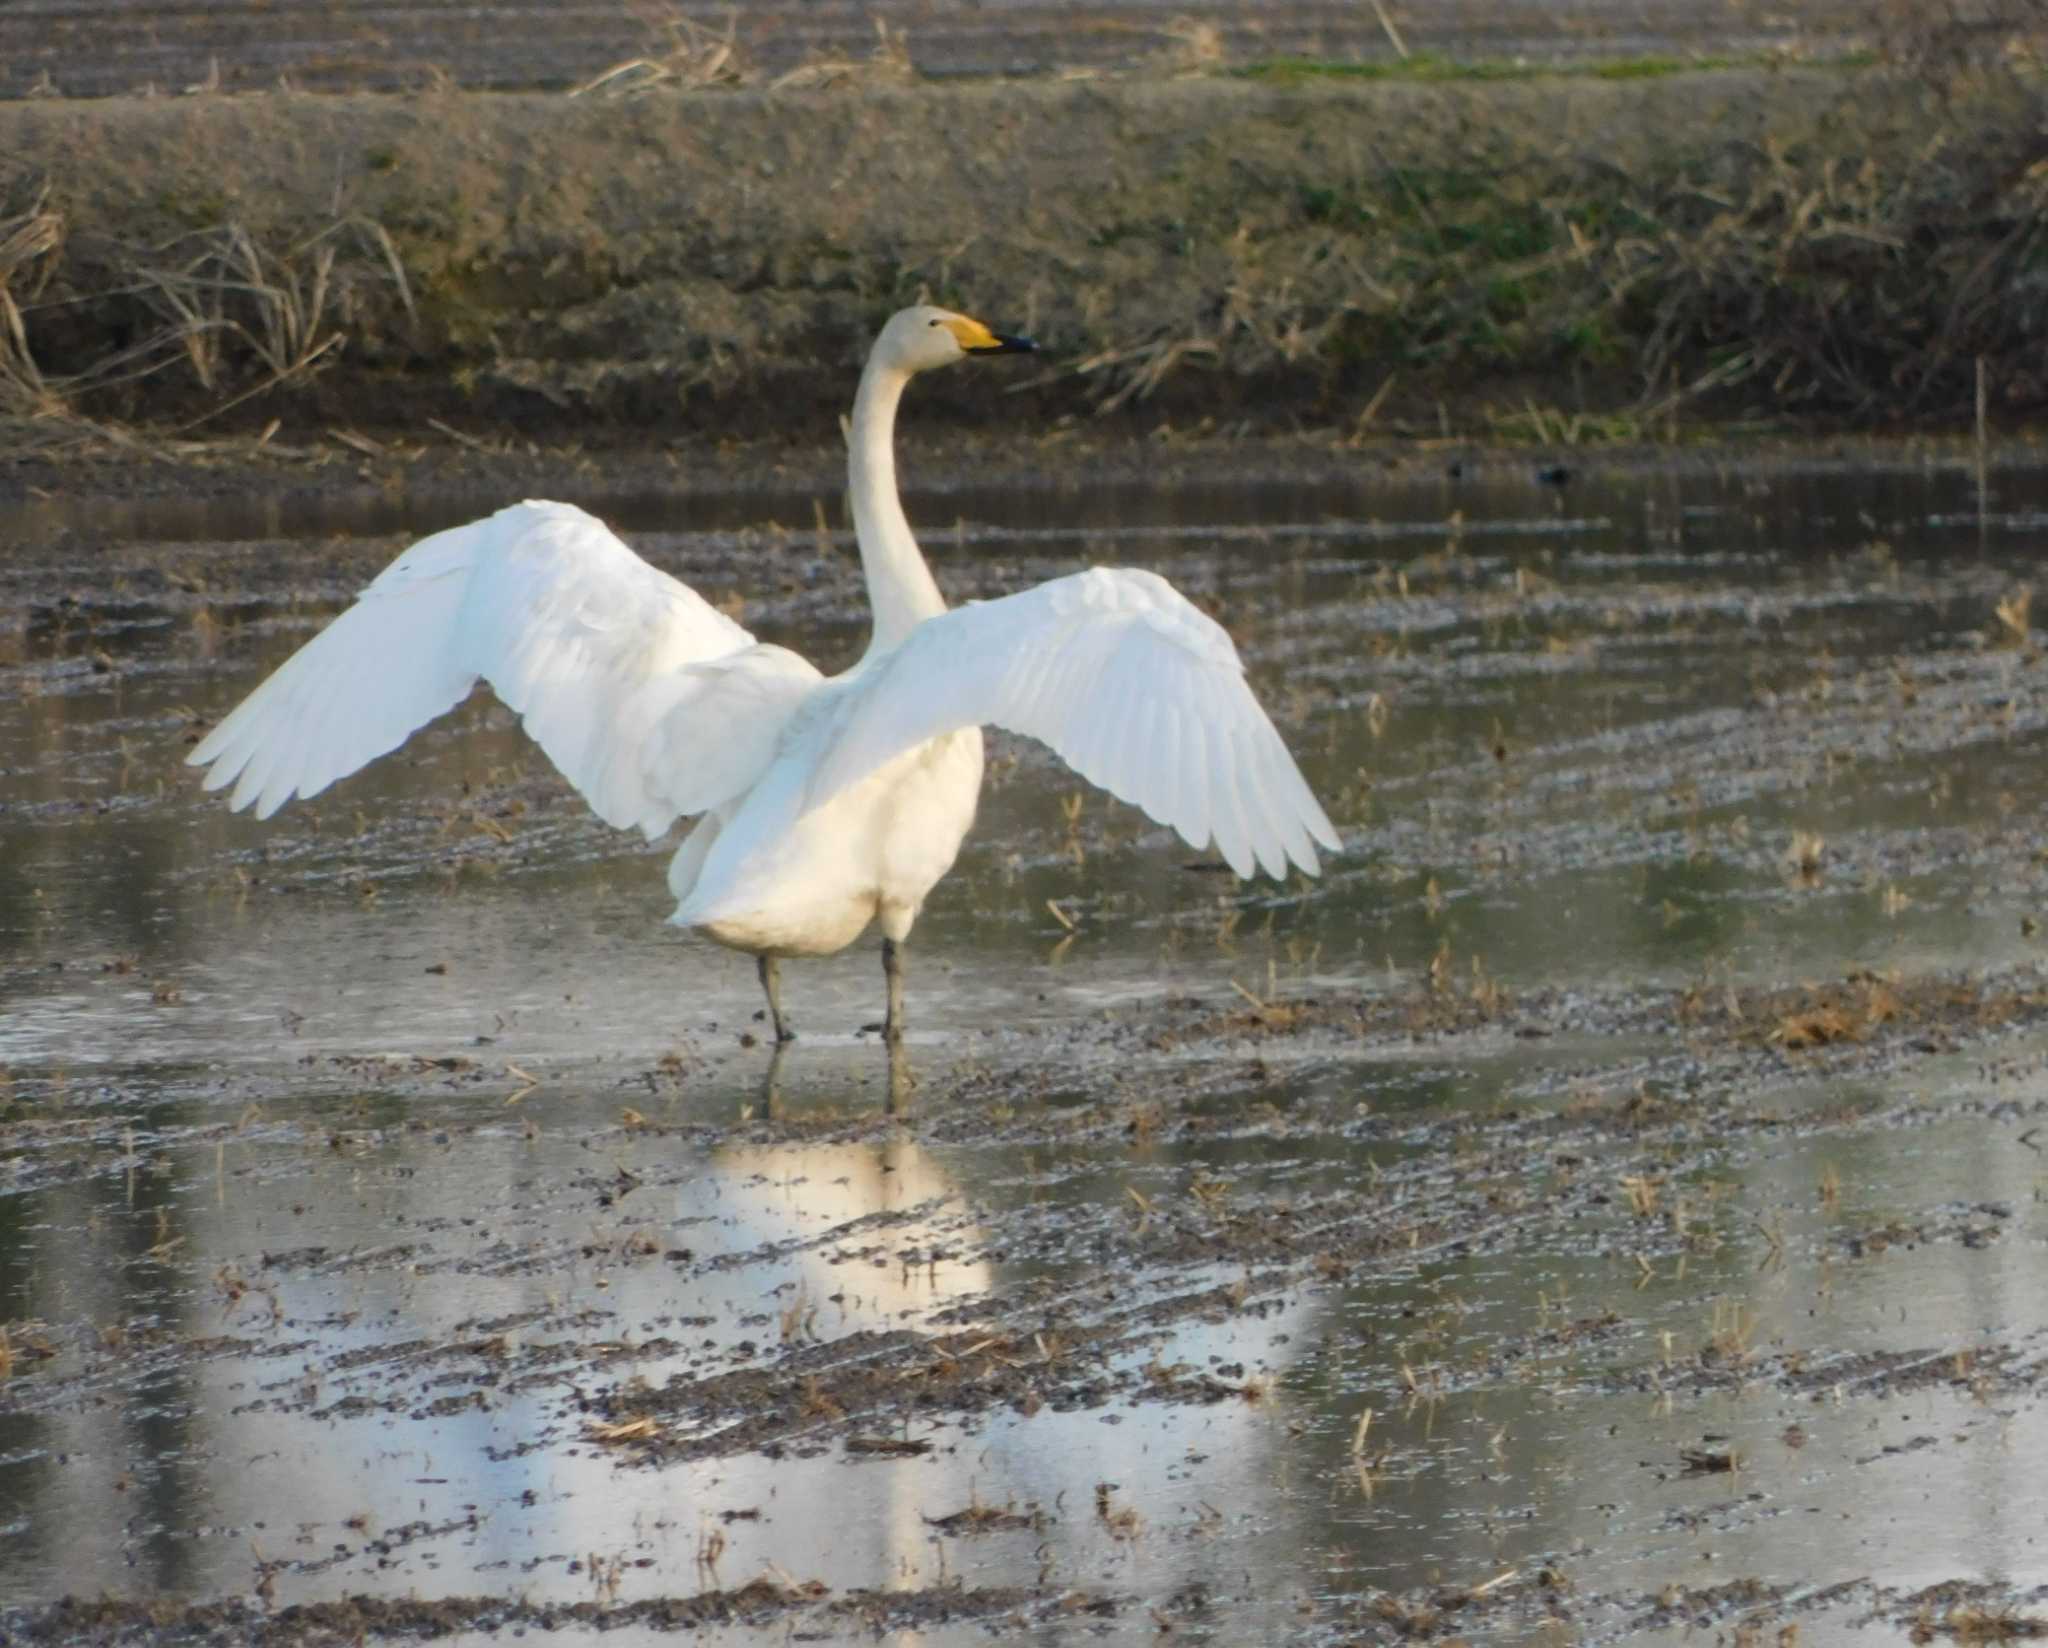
column 887, row 1447
column 976, row 1518
column 1194, row 46
column 1122, row 1521
column 1729, row 1333
column 219, row 289
column 1822, row 1015
column 1841, row 268
column 1860, row 288
column 236, row 315
column 1806, row 858
column 887, row 65
column 691, row 57
column 1970, row 1623
column 23, row 1343
column 1942, row 40
column 1419, row 1615
column 229, row 305
column 31, row 236
column 1633, row 1110
column 2014, row 624
column 1815, row 1027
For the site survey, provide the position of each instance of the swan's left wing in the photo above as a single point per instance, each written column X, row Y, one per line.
column 585, row 641
column 721, row 723
column 1135, row 688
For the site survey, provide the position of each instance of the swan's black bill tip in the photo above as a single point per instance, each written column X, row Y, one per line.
column 1005, row 345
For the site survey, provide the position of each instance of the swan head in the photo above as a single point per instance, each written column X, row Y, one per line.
column 922, row 337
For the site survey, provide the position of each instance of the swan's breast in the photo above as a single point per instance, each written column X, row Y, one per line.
column 810, row 885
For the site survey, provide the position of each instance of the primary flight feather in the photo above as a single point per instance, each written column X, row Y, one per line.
column 823, row 804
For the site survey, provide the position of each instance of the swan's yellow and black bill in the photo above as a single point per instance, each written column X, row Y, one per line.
column 977, row 339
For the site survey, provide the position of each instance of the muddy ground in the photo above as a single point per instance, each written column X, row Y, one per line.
column 1606, row 1206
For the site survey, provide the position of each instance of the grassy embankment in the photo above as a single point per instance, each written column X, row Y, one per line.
column 1623, row 253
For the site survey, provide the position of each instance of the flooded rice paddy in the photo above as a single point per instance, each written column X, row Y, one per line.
column 1605, row 1208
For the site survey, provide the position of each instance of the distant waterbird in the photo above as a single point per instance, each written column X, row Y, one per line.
column 823, row 804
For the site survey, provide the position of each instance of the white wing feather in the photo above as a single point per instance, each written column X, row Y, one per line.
column 1135, row 688
column 725, row 725
column 586, row 642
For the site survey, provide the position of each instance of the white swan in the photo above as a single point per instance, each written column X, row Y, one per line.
column 823, row 804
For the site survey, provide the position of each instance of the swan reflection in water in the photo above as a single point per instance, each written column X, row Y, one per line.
column 435, row 1433
column 770, row 1103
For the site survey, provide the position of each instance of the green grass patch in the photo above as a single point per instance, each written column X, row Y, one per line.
column 1435, row 68
column 1663, row 68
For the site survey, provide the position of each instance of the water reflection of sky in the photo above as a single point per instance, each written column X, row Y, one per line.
column 178, row 1481
column 159, row 961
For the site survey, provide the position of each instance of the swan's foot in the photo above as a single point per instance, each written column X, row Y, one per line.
column 771, row 982
column 892, row 971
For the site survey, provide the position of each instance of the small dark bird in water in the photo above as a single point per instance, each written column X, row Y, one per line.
column 1554, row 475
column 1455, row 469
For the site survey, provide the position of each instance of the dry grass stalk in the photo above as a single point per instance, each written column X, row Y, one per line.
column 613, row 1433
column 1968, row 1623
column 222, row 306
column 1194, row 46
column 1732, row 1328
column 223, row 288
column 30, row 239
column 1805, row 857
column 695, row 59
column 1835, row 1015
column 888, row 64
column 2014, row 618
column 1944, row 41
column 1845, row 286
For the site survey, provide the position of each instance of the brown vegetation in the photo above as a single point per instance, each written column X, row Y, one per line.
column 1582, row 254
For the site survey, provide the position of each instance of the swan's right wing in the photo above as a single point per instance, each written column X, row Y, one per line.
column 1137, row 689
column 584, row 640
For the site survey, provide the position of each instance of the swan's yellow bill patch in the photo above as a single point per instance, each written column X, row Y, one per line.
column 977, row 339
column 971, row 334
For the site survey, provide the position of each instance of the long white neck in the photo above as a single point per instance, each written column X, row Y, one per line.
column 900, row 586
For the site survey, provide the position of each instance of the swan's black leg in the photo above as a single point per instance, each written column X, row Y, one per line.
column 892, row 970
column 771, row 981
column 901, row 1081
column 771, row 1085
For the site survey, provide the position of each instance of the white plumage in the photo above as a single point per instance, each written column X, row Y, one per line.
column 822, row 804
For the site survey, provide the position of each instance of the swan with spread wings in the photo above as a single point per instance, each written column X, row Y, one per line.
column 823, row 803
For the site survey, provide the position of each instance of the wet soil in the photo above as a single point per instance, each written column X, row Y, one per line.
column 1606, row 1206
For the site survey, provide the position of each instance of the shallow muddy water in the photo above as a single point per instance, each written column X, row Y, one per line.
column 402, row 1230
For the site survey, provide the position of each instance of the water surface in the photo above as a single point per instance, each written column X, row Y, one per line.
column 362, row 1171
